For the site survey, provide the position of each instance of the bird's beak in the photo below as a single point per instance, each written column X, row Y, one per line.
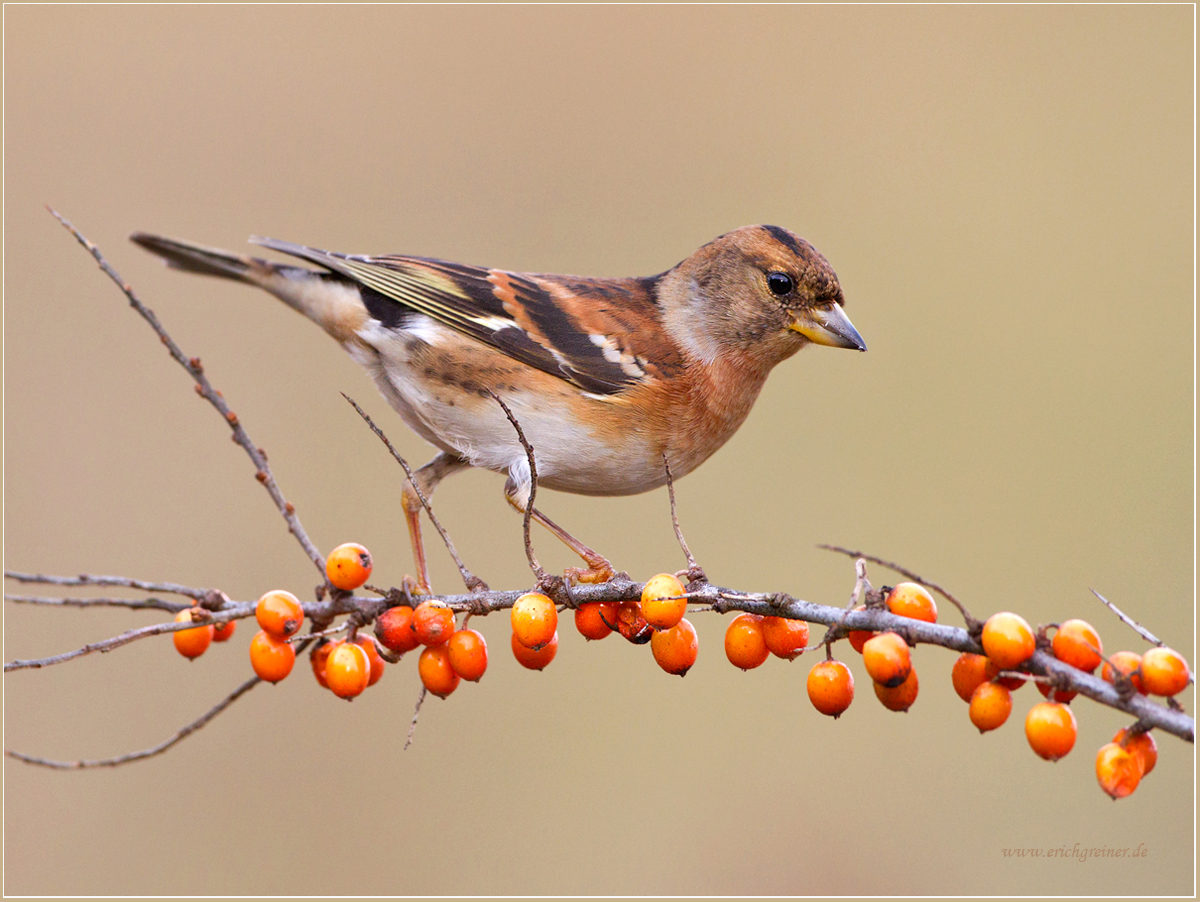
column 827, row 325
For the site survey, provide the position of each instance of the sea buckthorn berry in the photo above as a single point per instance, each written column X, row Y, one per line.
column 887, row 659
column 661, row 605
column 1117, row 770
column 1164, row 671
column 858, row 638
column 378, row 665
column 1059, row 695
column 468, row 654
column 279, row 613
column 785, row 638
column 271, row 658
column 898, row 698
column 991, row 704
column 968, row 672
column 591, row 622
column 535, row 659
column 318, row 658
column 1128, row 664
column 194, row 642
column 830, row 687
column 436, row 673
column 675, row 649
column 534, row 620
column 348, row 566
column 347, row 670
column 1050, row 729
column 224, row 632
column 1077, row 644
column 432, row 623
column 745, row 644
column 1008, row 640
column 394, row 629
column 912, row 600
column 631, row 624
column 1141, row 746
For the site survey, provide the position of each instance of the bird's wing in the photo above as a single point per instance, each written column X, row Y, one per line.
column 603, row 335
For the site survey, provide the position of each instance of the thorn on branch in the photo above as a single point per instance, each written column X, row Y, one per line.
column 1128, row 621
column 695, row 573
column 542, row 578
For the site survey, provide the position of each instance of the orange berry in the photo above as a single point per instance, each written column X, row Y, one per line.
column 1059, row 694
column 1008, row 640
column 1050, row 729
column 271, row 658
column 432, row 623
column 898, row 698
column 279, row 613
column 436, row 673
column 348, row 566
column 468, row 654
column 347, row 670
column 318, row 658
column 968, row 672
column 534, row 620
column 785, row 638
column 194, row 642
column 376, row 662
column 1164, row 671
column 535, row 659
column 912, row 600
column 858, row 638
column 887, row 659
column 1077, row 644
column 830, row 687
column 661, row 605
column 631, row 624
column 991, row 704
column 591, row 622
column 394, row 629
column 675, row 649
column 1117, row 770
column 1141, row 746
column 1128, row 664
column 745, row 644
column 224, row 632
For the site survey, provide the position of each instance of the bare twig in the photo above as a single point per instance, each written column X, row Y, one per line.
column 472, row 582
column 972, row 623
column 206, row 391
column 412, row 727
column 533, row 483
column 179, row 735
column 1129, row 621
column 695, row 572
column 88, row 579
column 173, row 607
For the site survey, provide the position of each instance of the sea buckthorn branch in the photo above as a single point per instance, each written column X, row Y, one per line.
column 542, row 577
column 87, row 579
column 1128, row 621
column 173, row 607
column 694, row 573
column 205, row 390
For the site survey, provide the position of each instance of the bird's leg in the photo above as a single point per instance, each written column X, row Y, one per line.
column 599, row 570
column 427, row 479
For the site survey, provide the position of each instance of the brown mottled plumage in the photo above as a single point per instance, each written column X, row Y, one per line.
column 605, row 375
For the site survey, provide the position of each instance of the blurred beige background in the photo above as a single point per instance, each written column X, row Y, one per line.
column 1007, row 196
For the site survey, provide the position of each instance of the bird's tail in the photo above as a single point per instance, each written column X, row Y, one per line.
column 209, row 261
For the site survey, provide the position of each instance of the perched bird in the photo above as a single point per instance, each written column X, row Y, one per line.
column 605, row 376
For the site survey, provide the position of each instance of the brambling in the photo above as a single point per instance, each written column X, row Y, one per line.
column 605, row 376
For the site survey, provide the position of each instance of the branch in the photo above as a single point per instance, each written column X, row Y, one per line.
column 173, row 607
column 206, row 391
column 1129, row 621
column 972, row 623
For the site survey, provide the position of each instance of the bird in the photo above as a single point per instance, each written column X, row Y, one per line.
column 610, row 378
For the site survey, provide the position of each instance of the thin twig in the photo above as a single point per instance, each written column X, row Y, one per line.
column 180, row 734
column 695, row 572
column 533, row 483
column 128, row 636
column 472, row 582
column 88, row 579
column 412, row 727
column 971, row 621
column 1128, row 621
column 173, row 607
column 206, row 391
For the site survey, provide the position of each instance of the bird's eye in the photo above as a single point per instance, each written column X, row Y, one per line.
column 780, row 283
